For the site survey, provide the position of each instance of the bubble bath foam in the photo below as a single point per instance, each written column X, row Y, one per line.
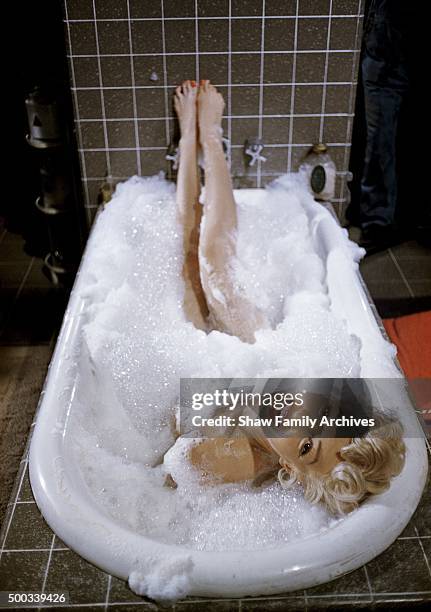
column 105, row 423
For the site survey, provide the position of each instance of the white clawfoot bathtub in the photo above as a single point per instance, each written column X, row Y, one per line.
column 72, row 513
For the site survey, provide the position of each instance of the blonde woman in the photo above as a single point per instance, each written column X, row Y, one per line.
column 337, row 471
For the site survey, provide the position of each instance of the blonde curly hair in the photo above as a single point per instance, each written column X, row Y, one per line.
column 367, row 467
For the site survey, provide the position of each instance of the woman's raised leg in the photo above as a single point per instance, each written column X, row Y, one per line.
column 188, row 206
column 232, row 312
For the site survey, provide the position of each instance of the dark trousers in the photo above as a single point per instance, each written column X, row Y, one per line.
column 385, row 81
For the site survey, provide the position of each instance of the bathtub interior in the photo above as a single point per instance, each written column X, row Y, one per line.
column 89, row 451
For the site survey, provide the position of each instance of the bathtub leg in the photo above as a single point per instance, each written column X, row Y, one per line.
column 189, row 209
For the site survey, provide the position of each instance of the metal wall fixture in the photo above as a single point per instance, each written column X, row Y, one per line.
column 46, row 138
column 253, row 148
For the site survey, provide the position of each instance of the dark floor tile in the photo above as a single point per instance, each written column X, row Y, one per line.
column 152, row 133
column 213, row 35
column 120, row 592
column 230, row 605
column 388, row 290
column 80, row 9
column 306, row 130
column 298, row 156
column 28, row 530
column 173, row 8
column 421, row 289
column 278, row 68
column 89, row 104
column 180, row 67
column 345, row 7
column 150, row 102
column 279, row 34
column 149, row 70
column 292, row 604
column 23, row 571
column 416, row 268
column 308, row 99
column 69, row 572
column 276, row 160
column 86, row 71
column 343, row 33
column 245, row 68
column 400, row 307
column 335, row 130
column 36, row 316
column 340, row 67
column 113, row 37
column 275, row 130
column 312, row 34
column 92, row 135
column 209, row 8
column 121, row 135
column 180, row 36
column 140, row 10
column 12, row 249
column 246, row 34
column 422, row 517
column 276, row 100
column 354, row 582
column 11, row 275
column 310, row 67
column 213, row 67
column 152, row 162
column 275, row 7
column 123, row 163
column 25, row 492
column 245, row 100
column 116, row 71
column 118, row 103
column 401, row 568
column 379, row 266
column 147, row 36
column 83, row 38
column 313, row 7
column 244, row 129
column 337, row 99
column 246, row 7
column 111, row 9
column 409, row 249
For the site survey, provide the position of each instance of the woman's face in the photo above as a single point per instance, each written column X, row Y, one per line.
column 308, row 455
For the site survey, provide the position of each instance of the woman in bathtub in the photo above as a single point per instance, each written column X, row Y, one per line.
column 340, row 472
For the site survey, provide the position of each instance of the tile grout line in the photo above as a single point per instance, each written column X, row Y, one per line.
column 17, row 294
column 165, row 75
column 229, row 86
column 217, row 18
column 423, row 550
column 368, row 582
column 132, row 76
column 102, row 97
column 353, row 84
column 76, row 106
column 278, row 84
column 12, row 511
column 196, row 41
column 218, row 53
column 108, row 591
column 292, row 92
column 394, row 259
column 325, row 74
column 261, row 72
column 45, row 578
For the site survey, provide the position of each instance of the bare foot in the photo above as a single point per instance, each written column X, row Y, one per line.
column 210, row 111
column 185, row 106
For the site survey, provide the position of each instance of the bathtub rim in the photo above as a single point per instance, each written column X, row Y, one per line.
column 263, row 578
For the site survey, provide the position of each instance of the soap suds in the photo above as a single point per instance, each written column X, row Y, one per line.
column 137, row 344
